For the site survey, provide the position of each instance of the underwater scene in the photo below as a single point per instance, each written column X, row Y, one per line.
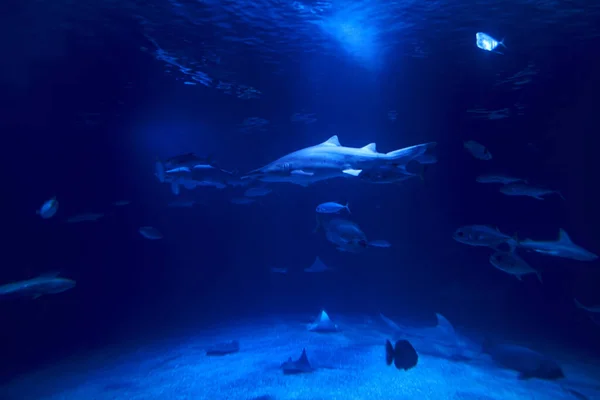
column 300, row 200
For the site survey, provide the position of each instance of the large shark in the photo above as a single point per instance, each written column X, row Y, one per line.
column 330, row 160
column 563, row 247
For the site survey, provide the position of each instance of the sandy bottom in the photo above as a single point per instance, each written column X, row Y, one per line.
column 349, row 366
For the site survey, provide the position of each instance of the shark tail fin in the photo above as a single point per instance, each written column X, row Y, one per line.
column 502, row 43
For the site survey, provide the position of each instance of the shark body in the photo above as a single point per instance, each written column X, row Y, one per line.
column 330, row 160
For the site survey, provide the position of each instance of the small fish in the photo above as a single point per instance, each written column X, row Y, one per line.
column 150, row 232
column 379, row 243
column 257, row 192
column 488, row 43
column 276, row 270
column 121, row 203
column 48, row 209
column 511, row 263
column 403, row 354
column 521, row 189
column 86, row 217
column 483, row 235
column 332, row 208
column 478, row 150
column 498, row 178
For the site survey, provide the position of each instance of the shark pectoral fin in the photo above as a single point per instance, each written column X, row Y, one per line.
column 353, row 172
column 300, row 172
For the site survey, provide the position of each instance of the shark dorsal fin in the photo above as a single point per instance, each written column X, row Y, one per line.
column 303, row 360
column 564, row 237
column 332, row 141
column 371, row 147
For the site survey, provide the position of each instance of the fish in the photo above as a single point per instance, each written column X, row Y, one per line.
column 257, row 192
column 182, row 204
column 332, row 208
column 345, row 234
column 86, row 217
column 511, row 263
column 150, row 232
column 48, row 209
column 386, row 174
column 318, row 266
column 488, row 43
column 330, row 159
column 498, row 178
column 323, row 324
column 47, row 283
column 379, row 243
column 528, row 363
column 484, row 236
column 186, row 160
column 478, row 150
column 276, row 270
column 563, row 247
column 402, row 354
column 300, row 366
column 522, row 189
column 194, row 176
column 592, row 309
column 224, row 348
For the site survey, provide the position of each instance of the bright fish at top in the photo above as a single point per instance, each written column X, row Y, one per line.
column 331, row 208
column 488, row 43
column 48, row 209
column 478, row 150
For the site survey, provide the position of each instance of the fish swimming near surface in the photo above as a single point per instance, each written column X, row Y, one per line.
column 48, row 209
column 48, row 283
column 513, row 264
column 563, row 247
column 522, row 189
column 332, row 208
column 498, row 178
column 528, row 363
column 478, row 150
column 299, row 366
column 150, row 232
column 488, row 43
column 222, row 349
column 402, row 354
column 330, row 160
column 483, row 235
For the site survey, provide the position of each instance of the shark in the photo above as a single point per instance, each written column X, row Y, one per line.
column 330, row 159
column 47, row 283
column 563, row 247
column 300, row 366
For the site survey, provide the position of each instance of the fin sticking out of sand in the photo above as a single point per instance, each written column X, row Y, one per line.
column 300, row 366
column 323, row 324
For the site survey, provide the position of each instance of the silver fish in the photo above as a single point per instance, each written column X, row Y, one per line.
column 521, row 189
column 511, row 263
column 487, row 43
column 331, row 208
column 498, row 178
column 483, row 235
column 48, row 209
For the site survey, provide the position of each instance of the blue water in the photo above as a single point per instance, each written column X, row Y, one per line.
column 93, row 93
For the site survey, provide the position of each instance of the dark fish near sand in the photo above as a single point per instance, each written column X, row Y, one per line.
column 402, row 354
column 528, row 363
